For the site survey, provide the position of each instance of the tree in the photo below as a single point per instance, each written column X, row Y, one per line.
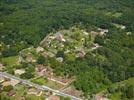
column 30, row 68
column 27, row 75
column 41, row 60
column 7, row 88
column 10, row 70
column 91, row 81
column 130, row 92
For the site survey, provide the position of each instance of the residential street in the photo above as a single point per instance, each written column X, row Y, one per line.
column 41, row 87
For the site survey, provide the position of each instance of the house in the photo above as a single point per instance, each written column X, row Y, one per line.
column 95, row 46
column 14, row 82
column 101, row 97
column 51, row 37
column 2, row 79
column 6, row 83
column 39, row 49
column 35, row 91
column 85, row 33
column 123, row 27
column 60, row 37
column 60, row 59
column 53, row 97
column 72, row 91
column 40, row 68
column 80, row 54
column 11, row 93
column 19, row 71
column 30, row 58
column 48, row 54
column 103, row 31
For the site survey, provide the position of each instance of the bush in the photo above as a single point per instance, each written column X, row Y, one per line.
column 41, row 60
column 7, row 88
column 27, row 75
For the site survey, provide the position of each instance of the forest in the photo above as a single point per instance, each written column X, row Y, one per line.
column 26, row 22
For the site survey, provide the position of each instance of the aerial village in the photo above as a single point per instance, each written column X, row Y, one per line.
column 35, row 64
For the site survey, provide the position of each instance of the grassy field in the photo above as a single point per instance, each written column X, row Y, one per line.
column 10, row 61
column 40, row 81
column 21, row 90
column 53, row 84
column 115, row 96
column 49, row 83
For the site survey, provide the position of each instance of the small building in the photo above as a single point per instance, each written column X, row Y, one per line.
column 53, row 97
column 19, row 71
column 2, row 79
column 123, row 27
column 14, row 82
column 11, row 93
column 40, row 68
column 101, row 97
column 60, row 37
column 51, row 37
column 60, row 59
column 80, row 54
column 85, row 33
column 48, row 54
column 95, row 46
column 103, row 31
column 6, row 83
column 30, row 58
column 35, row 91
column 72, row 91
column 39, row 49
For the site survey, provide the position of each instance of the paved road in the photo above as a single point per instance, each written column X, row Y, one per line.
column 41, row 87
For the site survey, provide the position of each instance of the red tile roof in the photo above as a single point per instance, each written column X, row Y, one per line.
column 11, row 93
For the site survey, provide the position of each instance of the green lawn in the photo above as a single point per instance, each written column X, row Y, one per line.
column 34, row 97
column 115, row 96
column 10, row 61
column 39, row 80
column 21, row 89
column 4, row 96
column 53, row 84
column 49, row 83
